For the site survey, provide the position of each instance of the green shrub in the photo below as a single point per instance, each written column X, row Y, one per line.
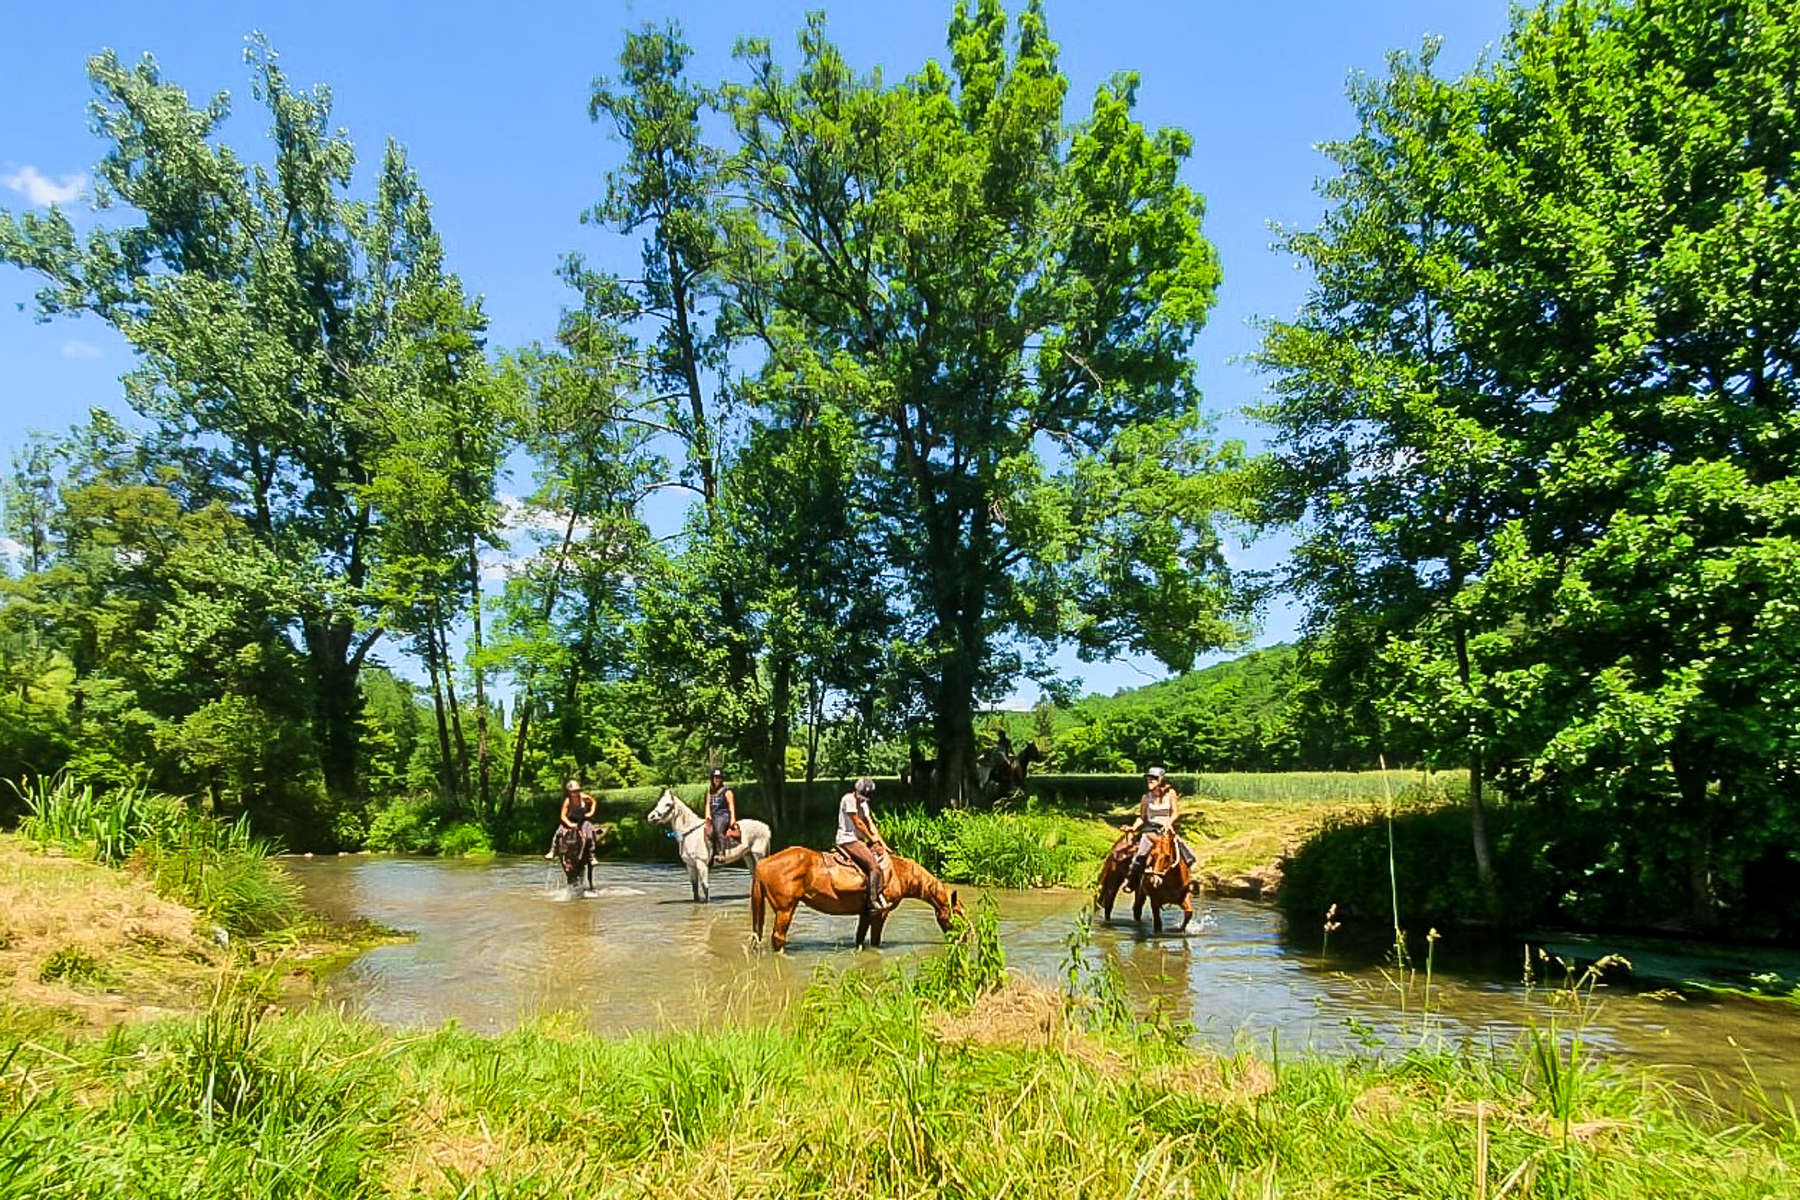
column 1017, row 850
column 465, row 839
column 404, row 826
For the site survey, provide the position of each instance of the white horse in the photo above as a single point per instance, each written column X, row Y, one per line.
column 696, row 852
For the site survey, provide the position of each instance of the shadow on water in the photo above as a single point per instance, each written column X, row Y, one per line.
column 500, row 942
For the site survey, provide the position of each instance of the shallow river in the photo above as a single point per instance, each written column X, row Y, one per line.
column 497, row 943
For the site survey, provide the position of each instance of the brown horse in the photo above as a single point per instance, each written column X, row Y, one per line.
column 798, row 876
column 1166, row 879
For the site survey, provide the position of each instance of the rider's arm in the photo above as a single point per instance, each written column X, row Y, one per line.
column 866, row 827
column 564, row 815
column 731, row 804
column 1143, row 817
column 1174, row 807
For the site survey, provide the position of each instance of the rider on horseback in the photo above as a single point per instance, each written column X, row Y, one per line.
column 578, row 809
column 858, row 838
column 1157, row 812
column 721, row 814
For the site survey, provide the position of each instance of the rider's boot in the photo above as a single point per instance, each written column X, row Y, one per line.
column 877, row 900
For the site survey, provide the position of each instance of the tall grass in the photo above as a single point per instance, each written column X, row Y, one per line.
column 216, row 867
column 857, row 1092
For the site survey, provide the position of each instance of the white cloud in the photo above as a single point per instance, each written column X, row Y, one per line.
column 74, row 348
column 39, row 189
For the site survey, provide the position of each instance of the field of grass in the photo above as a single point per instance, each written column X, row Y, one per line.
column 954, row 1081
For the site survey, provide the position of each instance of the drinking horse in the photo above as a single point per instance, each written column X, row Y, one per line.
column 826, row 884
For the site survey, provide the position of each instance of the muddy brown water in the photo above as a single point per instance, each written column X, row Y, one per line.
column 497, row 943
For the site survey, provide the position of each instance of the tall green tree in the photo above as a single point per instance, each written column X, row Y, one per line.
column 253, row 295
column 1010, row 303
column 1539, row 412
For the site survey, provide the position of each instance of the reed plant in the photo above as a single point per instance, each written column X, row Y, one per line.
column 217, row 867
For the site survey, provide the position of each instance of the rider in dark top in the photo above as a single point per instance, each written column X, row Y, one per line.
column 721, row 813
column 578, row 809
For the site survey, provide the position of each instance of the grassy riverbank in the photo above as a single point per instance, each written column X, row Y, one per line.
column 952, row 1080
column 881, row 1087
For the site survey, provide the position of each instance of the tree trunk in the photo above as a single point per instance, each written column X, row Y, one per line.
column 773, row 768
column 456, row 729
column 1692, row 778
column 446, row 768
column 335, row 663
column 522, row 712
column 1478, row 834
column 484, row 793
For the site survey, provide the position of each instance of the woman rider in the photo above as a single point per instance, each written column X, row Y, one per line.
column 858, row 837
column 1156, row 812
column 578, row 809
column 721, row 813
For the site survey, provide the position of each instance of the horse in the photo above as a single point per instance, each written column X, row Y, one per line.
column 696, row 851
column 1166, row 879
column 574, row 847
column 798, row 876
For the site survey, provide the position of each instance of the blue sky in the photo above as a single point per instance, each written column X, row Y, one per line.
column 491, row 104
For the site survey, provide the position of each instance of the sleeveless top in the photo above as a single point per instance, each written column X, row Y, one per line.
column 1159, row 810
column 581, row 809
column 715, row 803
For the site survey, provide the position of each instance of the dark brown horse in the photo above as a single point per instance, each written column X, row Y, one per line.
column 799, row 876
column 574, row 847
column 1166, row 879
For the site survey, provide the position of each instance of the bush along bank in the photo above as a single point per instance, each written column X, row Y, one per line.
column 1554, row 868
column 953, row 1080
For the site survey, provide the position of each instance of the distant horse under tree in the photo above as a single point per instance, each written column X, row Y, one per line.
column 696, row 852
column 829, row 885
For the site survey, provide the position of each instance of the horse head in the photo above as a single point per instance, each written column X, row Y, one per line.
column 664, row 811
column 946, row 903
column 1164, row 860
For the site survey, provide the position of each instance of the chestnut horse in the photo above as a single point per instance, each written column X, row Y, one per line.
column 1166, row 879
column 798, row 876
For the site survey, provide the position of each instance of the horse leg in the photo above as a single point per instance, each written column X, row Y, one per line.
column 1137, row 907
column 876, row 921
column 1187, row 910
column 1156, row 915
column 705, row 883
column 862, row 927
column 778, row 936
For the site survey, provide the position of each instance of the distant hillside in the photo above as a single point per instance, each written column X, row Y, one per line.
column 1240, row 715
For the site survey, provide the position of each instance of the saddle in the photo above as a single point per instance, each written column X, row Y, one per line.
column 851, row 876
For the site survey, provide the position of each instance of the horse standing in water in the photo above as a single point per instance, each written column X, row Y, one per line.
column 799, row 876
column 574, row 848
column 696, row 852
column 1166, row 879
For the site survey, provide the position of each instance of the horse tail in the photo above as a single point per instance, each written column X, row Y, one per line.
column 756, row 900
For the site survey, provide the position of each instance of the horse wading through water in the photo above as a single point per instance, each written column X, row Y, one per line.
column 830, row 885
column 574, row 849
column 696, row 853
column 1166, row 879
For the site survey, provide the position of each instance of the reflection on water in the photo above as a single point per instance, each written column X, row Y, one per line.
column 496, row 943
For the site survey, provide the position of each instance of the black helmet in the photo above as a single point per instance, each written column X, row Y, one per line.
column 717, row 773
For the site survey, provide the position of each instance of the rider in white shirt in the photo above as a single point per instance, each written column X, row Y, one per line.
column 858, row 837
